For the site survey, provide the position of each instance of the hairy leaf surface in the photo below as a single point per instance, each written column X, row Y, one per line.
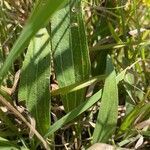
column 107, row 117
column 69, row 44
column 34, row 84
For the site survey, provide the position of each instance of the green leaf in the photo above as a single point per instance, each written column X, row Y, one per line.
column 107, row 117
column 7, row 145
column 69, row 44
column 114, row 34
column 34, row 83
column 1, row 57
column 40, row 16
column 80, row 109
column 140, row 110
column 78, row 86
column 74, row 113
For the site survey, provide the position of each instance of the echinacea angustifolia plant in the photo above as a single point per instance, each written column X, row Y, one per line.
column 74, row 73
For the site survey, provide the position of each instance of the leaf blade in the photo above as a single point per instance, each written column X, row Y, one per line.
column 69, row 51
column 34, row 84
column 107, row 117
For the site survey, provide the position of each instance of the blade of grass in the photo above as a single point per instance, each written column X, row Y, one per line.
column 127, row 123
column 74, row 113
column 78, row 86
column 108, row 113
column 1, row 57
column 34, row 82
column 80, row 109
column 114, row 34
column 99, row 47
column 38, row 19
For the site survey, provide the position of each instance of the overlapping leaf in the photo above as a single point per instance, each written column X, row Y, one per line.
column 70, row 49
column 81, row 108
column 40, row 16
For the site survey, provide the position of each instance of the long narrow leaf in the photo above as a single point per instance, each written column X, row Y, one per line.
column 1, row 57
column 74, row 113
column 34, row 84
column 80, row 109
column 78, row 86
column 70, row 51
column 132, row 116
column 107, row 117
